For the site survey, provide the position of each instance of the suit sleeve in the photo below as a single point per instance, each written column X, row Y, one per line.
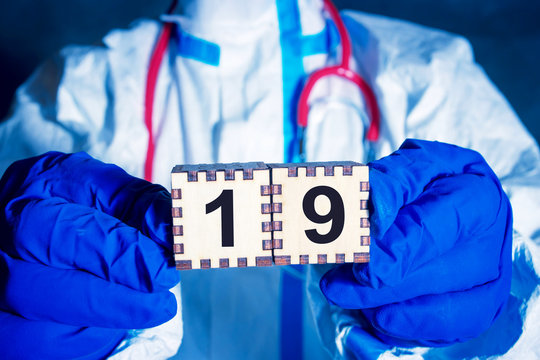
column 62, row 106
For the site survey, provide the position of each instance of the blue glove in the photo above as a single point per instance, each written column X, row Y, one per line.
column 85, row 254
column 441, row 244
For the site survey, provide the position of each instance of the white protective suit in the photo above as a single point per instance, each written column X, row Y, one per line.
column 224, row 93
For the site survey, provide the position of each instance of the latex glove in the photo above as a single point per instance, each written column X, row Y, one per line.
column 441, row 240
column 84, row 255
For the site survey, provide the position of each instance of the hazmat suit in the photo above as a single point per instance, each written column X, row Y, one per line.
column 225, row 92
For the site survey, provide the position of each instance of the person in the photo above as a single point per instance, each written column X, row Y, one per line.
column 84, row 252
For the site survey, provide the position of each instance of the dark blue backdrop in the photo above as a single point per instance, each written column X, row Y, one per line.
column 505, row 35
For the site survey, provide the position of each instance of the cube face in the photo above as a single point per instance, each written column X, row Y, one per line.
column 217, row 216
column 324, row 215
column 253, row 214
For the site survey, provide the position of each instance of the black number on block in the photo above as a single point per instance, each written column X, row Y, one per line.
column 336, row 214
column 225, row 202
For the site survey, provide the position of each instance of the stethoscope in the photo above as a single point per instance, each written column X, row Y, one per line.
column 341, row 70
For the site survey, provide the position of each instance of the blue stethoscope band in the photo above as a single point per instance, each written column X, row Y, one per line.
column 192, row 47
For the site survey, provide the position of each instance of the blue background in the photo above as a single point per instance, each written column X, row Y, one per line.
column 505, row 35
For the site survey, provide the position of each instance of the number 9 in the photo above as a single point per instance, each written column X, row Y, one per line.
column 336, row 214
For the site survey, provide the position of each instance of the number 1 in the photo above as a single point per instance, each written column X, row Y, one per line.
column 225, row 202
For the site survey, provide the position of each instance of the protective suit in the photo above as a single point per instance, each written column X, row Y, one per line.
column 225, row 92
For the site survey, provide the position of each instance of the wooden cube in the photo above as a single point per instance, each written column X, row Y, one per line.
column 323, row 215
column 221, row 215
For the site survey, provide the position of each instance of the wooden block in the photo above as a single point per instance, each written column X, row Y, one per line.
column 222, row 215
column 323, row 215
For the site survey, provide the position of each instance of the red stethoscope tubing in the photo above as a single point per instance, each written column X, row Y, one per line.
column 151, row 78
column 342, row 70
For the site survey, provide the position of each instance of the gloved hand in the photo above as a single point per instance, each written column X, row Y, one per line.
column 441, row 241
column 84, row 255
